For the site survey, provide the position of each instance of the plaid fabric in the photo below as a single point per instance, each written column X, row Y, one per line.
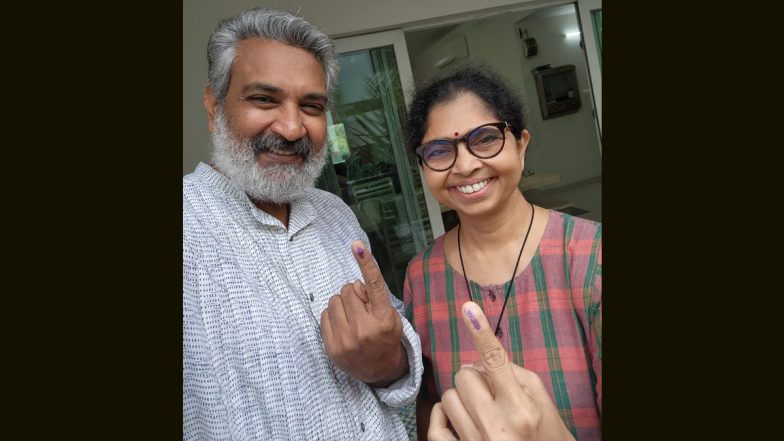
column 552, row 323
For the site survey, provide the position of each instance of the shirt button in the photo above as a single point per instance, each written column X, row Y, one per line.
column 311, row 297
column 362, row 426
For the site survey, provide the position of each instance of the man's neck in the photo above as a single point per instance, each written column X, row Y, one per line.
column 279, row 211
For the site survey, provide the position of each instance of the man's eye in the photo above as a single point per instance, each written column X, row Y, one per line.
column 314, row 107
column 261, row 99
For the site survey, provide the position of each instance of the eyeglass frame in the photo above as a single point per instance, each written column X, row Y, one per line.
column 456, row 141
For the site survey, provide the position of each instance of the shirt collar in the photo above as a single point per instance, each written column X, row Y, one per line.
column 302, row 210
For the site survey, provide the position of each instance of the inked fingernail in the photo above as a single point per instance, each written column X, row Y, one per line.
column 360, row 252
column 473, row 319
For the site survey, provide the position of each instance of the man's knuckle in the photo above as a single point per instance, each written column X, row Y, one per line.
column 377, row 283
column 349, row 342
column 363, row 336
column 386, row 326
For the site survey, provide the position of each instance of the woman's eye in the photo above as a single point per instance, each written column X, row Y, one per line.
column 485, row 139
column 438, row 152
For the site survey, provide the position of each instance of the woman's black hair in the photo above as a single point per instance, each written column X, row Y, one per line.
column 482, row 81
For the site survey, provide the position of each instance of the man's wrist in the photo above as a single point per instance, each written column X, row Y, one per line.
column 401, row 369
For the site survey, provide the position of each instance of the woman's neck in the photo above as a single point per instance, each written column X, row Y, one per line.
column 494, row 231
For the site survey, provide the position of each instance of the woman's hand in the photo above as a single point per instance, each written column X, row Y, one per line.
column 495, row 399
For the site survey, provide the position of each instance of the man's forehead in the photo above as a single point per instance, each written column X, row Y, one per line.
column 276, row 66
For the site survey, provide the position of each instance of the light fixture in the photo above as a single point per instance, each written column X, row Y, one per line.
column 573, row 34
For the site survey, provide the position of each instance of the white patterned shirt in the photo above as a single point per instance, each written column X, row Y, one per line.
column 254, row 366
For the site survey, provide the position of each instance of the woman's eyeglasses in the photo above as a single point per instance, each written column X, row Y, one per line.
column 483, row 142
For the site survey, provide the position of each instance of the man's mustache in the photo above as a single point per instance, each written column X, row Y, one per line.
column 268, row 143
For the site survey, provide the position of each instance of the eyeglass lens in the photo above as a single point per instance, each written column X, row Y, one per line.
column 483, row 142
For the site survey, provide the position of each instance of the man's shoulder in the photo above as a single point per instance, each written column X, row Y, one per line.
column 198, row 178
column 192, row 185
column 326, row 197
column 203, row 200
column 325, row 201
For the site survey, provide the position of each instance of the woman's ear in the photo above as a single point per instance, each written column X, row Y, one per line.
column 522, row 144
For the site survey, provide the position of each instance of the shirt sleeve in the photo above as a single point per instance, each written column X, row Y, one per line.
column 204, row 413
column 403, row 391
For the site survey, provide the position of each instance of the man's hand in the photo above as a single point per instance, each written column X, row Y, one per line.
column 361, row 329
column 495, row 400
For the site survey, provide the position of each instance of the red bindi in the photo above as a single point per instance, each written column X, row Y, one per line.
column 456, row 133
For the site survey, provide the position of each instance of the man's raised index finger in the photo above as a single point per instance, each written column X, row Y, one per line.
column 374, row 280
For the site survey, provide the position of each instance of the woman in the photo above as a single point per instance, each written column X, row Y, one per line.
column 535, row 273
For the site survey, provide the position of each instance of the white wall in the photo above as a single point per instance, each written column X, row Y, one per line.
column 337, row 18
column 567, row 144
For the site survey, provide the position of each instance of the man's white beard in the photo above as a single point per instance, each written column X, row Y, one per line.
column 276, row 183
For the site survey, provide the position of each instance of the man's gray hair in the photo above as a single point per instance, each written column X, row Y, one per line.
column 267, row 24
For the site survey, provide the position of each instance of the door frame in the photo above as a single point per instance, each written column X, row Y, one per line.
column 396, row 38
column 584, row 8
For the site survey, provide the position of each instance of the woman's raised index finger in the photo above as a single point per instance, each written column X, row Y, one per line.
column 492, row 355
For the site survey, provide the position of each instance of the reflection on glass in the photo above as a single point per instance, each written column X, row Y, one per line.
column 596, row 17
column 368, row 165
column 337, row 143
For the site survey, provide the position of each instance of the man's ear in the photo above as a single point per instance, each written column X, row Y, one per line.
column 211, row 105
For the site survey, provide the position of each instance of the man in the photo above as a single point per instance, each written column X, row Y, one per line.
column 280, row 338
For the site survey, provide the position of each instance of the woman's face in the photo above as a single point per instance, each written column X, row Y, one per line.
column 473, row 186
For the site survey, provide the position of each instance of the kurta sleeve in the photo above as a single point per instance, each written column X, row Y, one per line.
column 204, row 413
column 595, row 320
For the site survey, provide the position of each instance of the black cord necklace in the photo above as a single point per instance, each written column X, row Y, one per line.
column 511, row 282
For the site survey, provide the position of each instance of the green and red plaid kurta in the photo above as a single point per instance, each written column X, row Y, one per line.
column 552, row 324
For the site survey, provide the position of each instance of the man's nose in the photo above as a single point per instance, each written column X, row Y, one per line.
column 288, row 124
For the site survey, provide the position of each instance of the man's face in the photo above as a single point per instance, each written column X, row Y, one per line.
column 269, row 134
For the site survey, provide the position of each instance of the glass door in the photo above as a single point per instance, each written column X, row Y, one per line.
column 368, row 165
column 590, row 13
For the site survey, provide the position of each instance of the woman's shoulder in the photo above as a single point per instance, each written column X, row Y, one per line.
column 434, row 251
column 565, row 226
